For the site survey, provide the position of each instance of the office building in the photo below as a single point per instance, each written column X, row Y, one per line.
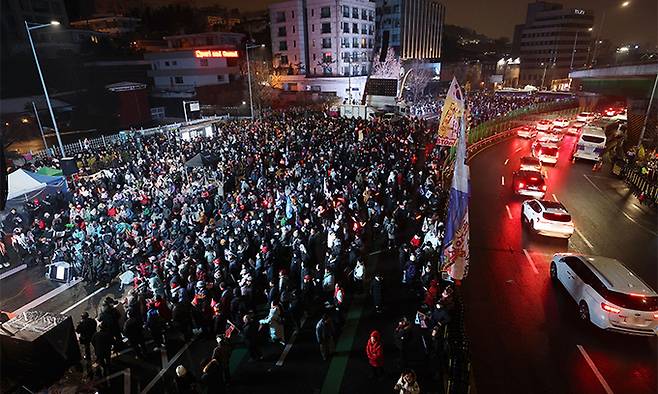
column 552, row 41
column 323, row 45
column 413, row 28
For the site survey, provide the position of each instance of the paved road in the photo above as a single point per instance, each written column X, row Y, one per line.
column 525, row 334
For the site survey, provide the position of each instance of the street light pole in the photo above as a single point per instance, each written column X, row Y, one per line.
column 251, row 99
column 43, row 83
column 573, row 52
column 646, row 115
column 43, row 137
column 185, row 110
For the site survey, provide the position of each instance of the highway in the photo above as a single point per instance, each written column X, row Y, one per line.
column 524, row 331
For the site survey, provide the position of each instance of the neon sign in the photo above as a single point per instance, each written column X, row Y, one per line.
column 214, row 53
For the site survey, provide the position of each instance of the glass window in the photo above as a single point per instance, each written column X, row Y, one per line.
column 220, row 78
column 283, row 45
column 371, row 15
column 355, row 13
column 166, row 64
column 325, row 12
column 326, row 43
column 283, row 59
column 346, row 11
column 364, row 29
column 178, row 80
column 326, row 57
column 344, row 42
column 280, row 16
column 355, row 42
column 355, row 28
column 326, row 28
column 364, row 14
column 282, row 31
column 346, row 27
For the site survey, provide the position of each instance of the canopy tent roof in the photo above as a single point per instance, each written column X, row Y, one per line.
column 50, row 171
column 21, row 182
column 196, row 161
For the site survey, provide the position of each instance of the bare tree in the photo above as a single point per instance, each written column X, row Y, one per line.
column 389, row 68
column 417, row 80
column 264, row 81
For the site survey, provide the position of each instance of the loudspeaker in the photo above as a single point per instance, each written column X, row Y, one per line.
column 69, row 166
column 59, row 272
column 4, row 183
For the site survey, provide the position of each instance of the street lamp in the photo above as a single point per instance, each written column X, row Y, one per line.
column 251, row 100
column 29, row 27
column 573, row 52
column 600, row 29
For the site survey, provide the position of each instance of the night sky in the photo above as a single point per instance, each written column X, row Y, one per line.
column 638, row 23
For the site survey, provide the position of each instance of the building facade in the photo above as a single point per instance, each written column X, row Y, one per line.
column 413, row 28
column 323, row 39
column 552, row 41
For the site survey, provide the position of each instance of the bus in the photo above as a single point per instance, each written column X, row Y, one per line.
column 590, row 144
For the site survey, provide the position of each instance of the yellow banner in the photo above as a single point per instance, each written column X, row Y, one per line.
column 451, row 113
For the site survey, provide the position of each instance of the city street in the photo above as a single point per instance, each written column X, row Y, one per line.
column 525, row 333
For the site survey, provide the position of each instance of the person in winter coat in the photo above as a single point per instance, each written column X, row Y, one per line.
column 251, row 337
column 358, row 275
column 375, row 353
column 86, row 329
column 275, row 321
column 324, row 333
column 222, row 353
column 402, row 338
column 407, row 383
column 155, row 325
column 102, row 341
column 376, row 291
column 133, row 330
column 212, row 378
column 184, row 381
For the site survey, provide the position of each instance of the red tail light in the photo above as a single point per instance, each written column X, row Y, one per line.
column 655, row 315
column 609, row 308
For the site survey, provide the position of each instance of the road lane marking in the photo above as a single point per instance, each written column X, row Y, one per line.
column 620, row 210
column 163, row 356
column 509, row 213
column 502, row 180
column 555, row 198
column 157, row 377
column 13, row 271
column 605, row 385
column 67, row 310
column 506, row 161
column 286, row 350
column 518, row 149
column 584, row 239
column 51, row 294
column 532, row 263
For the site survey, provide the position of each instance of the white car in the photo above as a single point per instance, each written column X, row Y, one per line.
column 607, row 293
column 585, row 117
column 526, row 132
column 546, row 152
column 548, row 218
column 530, row 163
column 574, row 127
column 560, row 122
column 544, row 125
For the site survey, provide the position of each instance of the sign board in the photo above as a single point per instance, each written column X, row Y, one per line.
column 382, row 87
column 194, row 106
column 214, row 53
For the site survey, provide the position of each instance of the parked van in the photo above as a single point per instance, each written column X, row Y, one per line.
column 591, row 144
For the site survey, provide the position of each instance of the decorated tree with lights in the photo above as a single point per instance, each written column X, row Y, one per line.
column 389, row 68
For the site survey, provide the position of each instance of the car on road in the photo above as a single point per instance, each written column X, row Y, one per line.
column 585, row 117
column 608, row 294
column 549, row 218
column 530, row 163
column 526, row 132
column 550, row 136
column 547, row 153
column 590, row 145
column 529, row 183
column 544, row 125
column 574, row 127
column 560, row 123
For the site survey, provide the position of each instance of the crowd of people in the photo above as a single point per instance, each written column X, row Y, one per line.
column 281, row 212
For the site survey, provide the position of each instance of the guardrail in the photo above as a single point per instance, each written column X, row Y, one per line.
column 641, row 185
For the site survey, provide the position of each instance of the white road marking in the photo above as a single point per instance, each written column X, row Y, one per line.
column 605, row 385
column 620, row 210
column 67, row 310
column 584, row 239
column 509, row 213
column 518, row 149
column 375, row 252
column 502, row 180
column 555, row 198
column 157, row 377
column 13, row 271
column 506, row 161
column 163, row 356
column 286, row 350
column 51, row 294
column 532, row 263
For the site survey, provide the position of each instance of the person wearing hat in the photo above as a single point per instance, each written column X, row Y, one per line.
column 184, row 381
column 86, row 329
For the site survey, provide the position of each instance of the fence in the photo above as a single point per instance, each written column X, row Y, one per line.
column 458, row 367
column 109, row 140
column 644, row 186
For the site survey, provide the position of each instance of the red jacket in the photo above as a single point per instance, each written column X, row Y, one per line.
column 375, row 350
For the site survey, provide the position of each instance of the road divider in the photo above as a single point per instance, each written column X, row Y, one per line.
column 598, row 375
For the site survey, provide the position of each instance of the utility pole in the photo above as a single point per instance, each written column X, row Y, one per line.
column 43, row 137
column 646, row 115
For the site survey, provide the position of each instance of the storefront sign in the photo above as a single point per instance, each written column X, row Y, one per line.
column 206, row 53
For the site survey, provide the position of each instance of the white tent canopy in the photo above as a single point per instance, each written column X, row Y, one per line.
column 21, row 183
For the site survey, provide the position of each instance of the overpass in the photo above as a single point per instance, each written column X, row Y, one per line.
column 633, row 83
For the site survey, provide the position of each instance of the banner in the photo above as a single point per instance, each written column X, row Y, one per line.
column 451, row 114
column 456, row 242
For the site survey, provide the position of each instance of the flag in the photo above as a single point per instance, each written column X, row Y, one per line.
column 455, row 244
column 290, row 209
column 451, row 113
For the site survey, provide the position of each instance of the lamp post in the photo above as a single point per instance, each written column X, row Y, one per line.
column 600, row 30
column 573, row 52
column 29, row 28
column 251, row 100
column 43, row 137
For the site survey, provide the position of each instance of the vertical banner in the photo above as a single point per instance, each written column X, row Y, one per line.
column 451, row 115
column 456, row 255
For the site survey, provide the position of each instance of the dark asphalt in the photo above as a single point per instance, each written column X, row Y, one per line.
column 525, row 332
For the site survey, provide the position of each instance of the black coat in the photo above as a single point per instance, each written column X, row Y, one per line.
column 102, row 341
column 376, row 290
column 86, row 328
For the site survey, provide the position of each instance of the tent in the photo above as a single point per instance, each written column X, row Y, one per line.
column 49, row 171
column 196, row 161
column 25, row 185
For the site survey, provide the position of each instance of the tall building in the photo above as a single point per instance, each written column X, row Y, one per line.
column 413, row 28
column 552, row 41
column 323, row 45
